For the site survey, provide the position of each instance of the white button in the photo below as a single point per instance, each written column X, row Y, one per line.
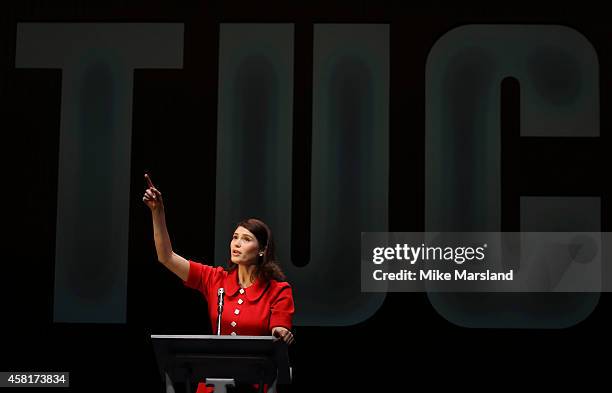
column 236, row 311
column 233, row 333
column 240, row 301
column 241, row 291
column 233, row 324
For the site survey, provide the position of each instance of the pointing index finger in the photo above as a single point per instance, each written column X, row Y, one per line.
column 149, row 181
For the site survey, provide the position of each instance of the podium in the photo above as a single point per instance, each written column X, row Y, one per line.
column 221, row 360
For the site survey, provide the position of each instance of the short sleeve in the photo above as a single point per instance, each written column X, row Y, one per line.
column 282, row 309
column 199, row 277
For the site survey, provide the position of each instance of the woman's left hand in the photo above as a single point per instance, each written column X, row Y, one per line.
column 284, row 334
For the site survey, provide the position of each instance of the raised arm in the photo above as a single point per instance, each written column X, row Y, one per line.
column 176, row 263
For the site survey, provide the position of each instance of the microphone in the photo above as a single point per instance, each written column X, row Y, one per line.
column 220, row 293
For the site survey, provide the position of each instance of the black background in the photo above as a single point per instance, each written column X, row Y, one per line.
column 406, row 342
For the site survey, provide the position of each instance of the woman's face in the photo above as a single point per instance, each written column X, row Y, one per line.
column 244, row 247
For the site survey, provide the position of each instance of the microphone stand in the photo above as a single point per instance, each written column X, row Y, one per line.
column 220, row 293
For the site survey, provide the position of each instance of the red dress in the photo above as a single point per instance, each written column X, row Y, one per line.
column 252, row 311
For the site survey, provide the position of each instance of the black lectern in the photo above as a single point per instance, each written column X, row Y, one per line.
column 221, row 360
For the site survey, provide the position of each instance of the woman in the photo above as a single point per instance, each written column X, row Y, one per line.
column 257, row 302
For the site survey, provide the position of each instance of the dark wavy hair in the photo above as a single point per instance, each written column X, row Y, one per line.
column 267, row 267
